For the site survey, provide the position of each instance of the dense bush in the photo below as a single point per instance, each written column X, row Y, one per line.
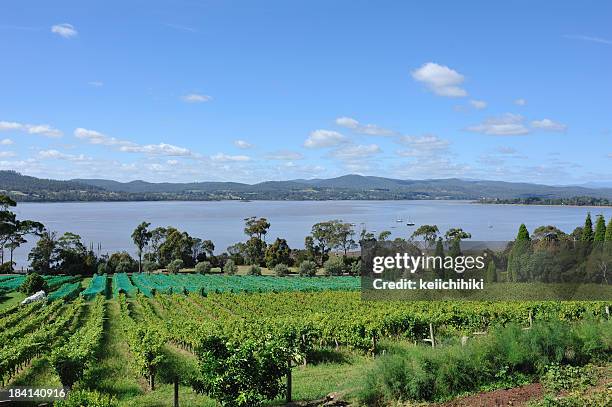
column 121, row 262
column 33, row 283
column 203, row 267
column 86, row 398
column 230, row 267
column 175, row 266
column 281, row 270
column 508, row 355
column 254, row 270
column 245, row 374
column 7, row 267
column 149, row 266
column 307, row 268
column 334, row 266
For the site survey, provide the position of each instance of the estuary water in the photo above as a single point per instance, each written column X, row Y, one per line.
column 110, row 224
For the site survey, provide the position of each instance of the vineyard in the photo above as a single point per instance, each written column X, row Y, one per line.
column 152, row 328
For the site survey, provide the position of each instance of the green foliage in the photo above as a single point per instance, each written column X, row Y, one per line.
column 355, row 268
column 71, row 360
column 141, row 237
column 278, row 252
column 609, row 231
column 600, row 229
column 230, row 268
column 587, row 229
column 44, row 256
column 523, row 234
column 509, row 354
column 428, row 233
column 561, row 377
column 334, row 266
column 175, row 266
column 281, row 270
column 149, row 266
column 203, row 267
column 491, row 273
column 122, row 262
column 33, row 283
column 87, row 398
column 254, row 270
column 307, row 268
column 241, row 374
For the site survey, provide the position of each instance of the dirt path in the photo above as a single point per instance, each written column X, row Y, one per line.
column 517, row 396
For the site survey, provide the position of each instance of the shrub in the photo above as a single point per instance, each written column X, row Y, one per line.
column 7, row 267
column 281, row 270
column 149, row 266
column 245, row 374
column 203, row 267
column 86, row 398
column 334, row 266
column 175, row 266
column 33, row 283
column 124, row 267
column 102, row 268
column 308, row 268
column 509, row 356
column 230, row 267
column 355, row 268
column 254, row 270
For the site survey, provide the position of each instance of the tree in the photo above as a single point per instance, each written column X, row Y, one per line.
column 384, row 235
column 254, row 270
column 12, row 230
column 121, row 262
column 230, row 267
column 158, row 235
column 33, row 283
column 307, row 268
column 278, row 252
column 548, row 232
column 141, row 237
column 491, row 274
column 609, row 231
column 255, row 251
column 73, row 257
column 203, row 267
column 175, row 266
column 600, row 229
column 334, row 266
column 244, row 374
column 177, row 245
column 427, row 233
column 44, row 256
column 587, row 229
column 281, row 270
column 523, row 234
column 456, row 234
column 344, row 233
column 256, row 227
column 329, row 235
column 439, row 253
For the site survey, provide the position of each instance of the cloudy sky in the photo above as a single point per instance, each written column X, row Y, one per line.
column 269, row 90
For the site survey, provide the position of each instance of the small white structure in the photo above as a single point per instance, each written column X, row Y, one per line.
column 35, row 297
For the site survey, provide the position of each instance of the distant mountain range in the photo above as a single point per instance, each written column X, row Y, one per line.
column 26, row 188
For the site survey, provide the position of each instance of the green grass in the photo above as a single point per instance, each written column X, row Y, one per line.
column 10, row 299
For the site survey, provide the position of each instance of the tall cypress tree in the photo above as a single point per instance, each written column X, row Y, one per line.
column 523, row 234
column 587, row 230
column 600, row 229
column 609, row 231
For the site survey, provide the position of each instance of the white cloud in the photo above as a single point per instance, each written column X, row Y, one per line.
column 440, row 79
column 95, row 137
column 324, row 138
column 548, row 125
column 353, row 152
column 6, row 154
column 428, row 144
column 220, row 157
column 478, row 104
column 196, row 98
column 506, row 125
column 506, row 150
column 157, row 149
column 161, row 149
column 284, row 155
column 38, row 129
column 172, row 162
column 6, row 142
column 64, row 30
column 57, row 155
column 589, row 38
column 243, row 144
column 96, row 84
column 369, row 129
column 520, row 102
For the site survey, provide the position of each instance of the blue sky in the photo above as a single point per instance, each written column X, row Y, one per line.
column 250, row 91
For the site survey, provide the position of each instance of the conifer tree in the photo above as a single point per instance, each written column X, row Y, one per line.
column 587, row 230
column 600, row 229
column 523, row 234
